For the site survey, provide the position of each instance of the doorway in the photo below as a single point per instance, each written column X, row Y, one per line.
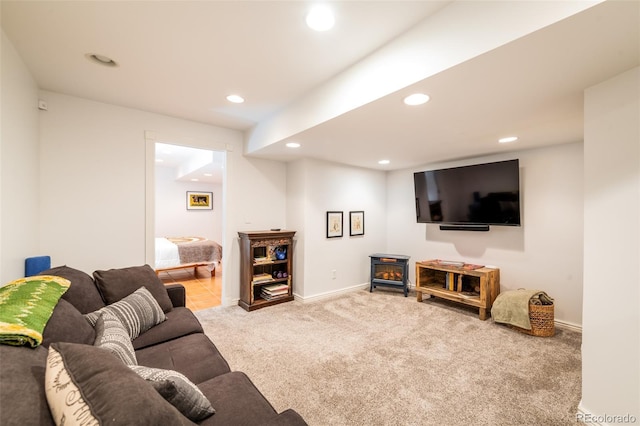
column 187, row 238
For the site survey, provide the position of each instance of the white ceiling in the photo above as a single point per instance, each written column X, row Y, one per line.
column 182, row 58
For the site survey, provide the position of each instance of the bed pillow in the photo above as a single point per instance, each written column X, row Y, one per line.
column 138, row 312
column 178, row 390
column 115, row 284
column 113, row 336
column 83, row 386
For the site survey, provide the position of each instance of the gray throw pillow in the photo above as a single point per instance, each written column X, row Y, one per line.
column 112, row 336
column 138, row 312
column 181, row 392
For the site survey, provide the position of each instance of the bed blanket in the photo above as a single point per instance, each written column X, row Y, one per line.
column 26, row 305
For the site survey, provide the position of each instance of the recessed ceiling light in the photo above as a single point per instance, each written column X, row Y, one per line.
column 508, row 139
column 293, row 145
column 235, row 99
column 320, row 18
column 101, row 59
column 194, row 180
column 384, row 162
column 416, row 99
column 208, row 174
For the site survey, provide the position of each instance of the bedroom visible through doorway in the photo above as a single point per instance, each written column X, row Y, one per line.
column 188, row 221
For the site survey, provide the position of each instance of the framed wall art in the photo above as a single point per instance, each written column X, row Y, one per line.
column 334, row 224
column 356, row 223
column 199, row 200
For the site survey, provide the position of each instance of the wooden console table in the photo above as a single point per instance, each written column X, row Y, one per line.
column 473, row 287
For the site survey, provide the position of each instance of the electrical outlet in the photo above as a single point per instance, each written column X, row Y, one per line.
column 333, row 274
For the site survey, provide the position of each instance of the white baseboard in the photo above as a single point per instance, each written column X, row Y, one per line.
column 568, row 326
column 328, row 294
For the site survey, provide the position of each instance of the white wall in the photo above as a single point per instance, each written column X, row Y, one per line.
column 544, row 253
column 317, row 187
column 19, row 166
column 93, row 158
column 611, row 329
column 172, row 217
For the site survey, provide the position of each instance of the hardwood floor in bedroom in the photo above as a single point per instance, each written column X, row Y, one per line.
column 203, row 290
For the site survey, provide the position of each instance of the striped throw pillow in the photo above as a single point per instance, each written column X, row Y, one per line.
column 138, row 312
column 113, row 336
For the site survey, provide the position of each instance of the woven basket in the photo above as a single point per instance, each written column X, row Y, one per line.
column 542, row 321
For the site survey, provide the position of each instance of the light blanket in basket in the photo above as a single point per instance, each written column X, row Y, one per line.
column 26, row 305
column 512, row 307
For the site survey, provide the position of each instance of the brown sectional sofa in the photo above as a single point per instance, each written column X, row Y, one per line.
column 178, row 344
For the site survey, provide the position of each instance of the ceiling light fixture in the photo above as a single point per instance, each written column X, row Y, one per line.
column 236, row 99
column 508, row 139
column 293, row 145
column 320, row 18
column 383, row 162
column 101, row 59
column 416, row 99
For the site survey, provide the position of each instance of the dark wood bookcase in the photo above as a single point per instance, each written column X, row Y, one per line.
column 266, row 268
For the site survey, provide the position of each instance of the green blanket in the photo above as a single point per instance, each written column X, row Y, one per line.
column 26, row 306
column 512, row 307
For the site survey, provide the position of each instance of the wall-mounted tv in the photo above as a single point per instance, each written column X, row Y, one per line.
column 481, row 194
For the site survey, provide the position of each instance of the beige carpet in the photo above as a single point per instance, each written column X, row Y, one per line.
column 382, row 359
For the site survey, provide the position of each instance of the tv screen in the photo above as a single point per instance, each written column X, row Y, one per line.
column 482, row 194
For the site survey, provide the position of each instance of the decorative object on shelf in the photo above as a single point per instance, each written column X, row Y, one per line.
column 334, row 224
column 356, row 223
column 281, row 253
column 199, row 200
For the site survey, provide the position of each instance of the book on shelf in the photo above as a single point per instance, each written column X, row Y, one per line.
column 261, row 259
column 262, row 278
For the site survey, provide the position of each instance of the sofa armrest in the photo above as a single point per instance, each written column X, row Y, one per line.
column 177, row 294
column 286, row 418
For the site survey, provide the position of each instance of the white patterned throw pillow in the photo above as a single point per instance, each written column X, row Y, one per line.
column 66, row 403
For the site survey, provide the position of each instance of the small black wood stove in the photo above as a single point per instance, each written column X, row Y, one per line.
column 389, row 270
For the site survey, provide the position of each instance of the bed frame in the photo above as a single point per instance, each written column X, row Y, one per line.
column 195, row 267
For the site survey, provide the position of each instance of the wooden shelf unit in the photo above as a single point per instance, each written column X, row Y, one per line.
column 472, row 287
column 258, row 263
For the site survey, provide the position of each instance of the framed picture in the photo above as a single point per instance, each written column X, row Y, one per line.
column 334, row 224
column 199, row 200
column 356, row 223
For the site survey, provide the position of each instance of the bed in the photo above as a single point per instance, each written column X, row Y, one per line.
column 174, row 253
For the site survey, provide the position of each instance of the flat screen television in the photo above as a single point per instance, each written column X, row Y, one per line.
column 481, row 194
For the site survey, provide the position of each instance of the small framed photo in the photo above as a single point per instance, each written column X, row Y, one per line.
column 199, row 200
column 356, row 223
column 334, row 224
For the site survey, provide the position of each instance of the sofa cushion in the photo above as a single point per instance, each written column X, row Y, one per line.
column 67, row 324
column 180, row 322
column 113, row 336
column 178, row 390
column 115, row 284
column 111, row 391
column 138, row 312
column 83, row 293
column 22, row 397
column 237, row 401
column 194, row 355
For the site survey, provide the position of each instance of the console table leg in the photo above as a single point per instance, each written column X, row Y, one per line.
column 483, row 314
column 419, row 296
